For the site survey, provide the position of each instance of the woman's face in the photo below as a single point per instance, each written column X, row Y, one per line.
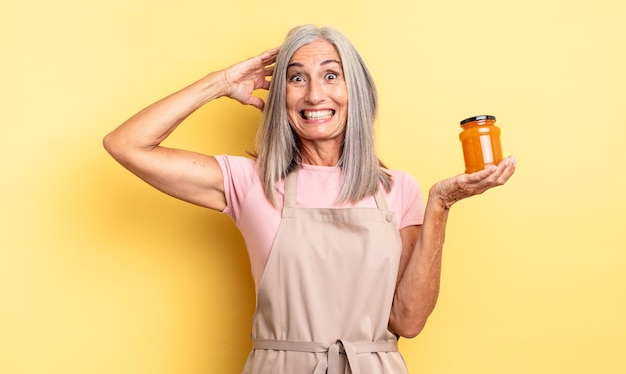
column 317, row 98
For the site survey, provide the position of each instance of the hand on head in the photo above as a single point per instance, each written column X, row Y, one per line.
column 243, row 78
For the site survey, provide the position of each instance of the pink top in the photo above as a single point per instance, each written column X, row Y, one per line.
column 317, row 187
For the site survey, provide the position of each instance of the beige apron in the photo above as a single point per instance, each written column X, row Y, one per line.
column 324, row 300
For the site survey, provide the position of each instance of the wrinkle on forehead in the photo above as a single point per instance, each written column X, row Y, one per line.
column 315, row 50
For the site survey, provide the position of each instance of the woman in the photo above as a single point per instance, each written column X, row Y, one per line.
column 344, row 254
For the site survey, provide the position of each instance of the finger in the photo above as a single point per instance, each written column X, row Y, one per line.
column 508, row 165
column 481, row 175
column 269, row 57
column 504, row 171
column 502, row 166
column 272, row 51
column 508, row 161
column 509, row 169
column 265, row 85
column 256, row 102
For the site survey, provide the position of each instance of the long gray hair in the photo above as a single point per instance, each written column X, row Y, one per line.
column 278, row 150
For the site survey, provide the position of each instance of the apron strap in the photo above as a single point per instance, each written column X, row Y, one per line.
column 289, row 201
column 381, row 202
column 330, row 362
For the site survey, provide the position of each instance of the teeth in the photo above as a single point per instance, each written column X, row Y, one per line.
column 319, row 114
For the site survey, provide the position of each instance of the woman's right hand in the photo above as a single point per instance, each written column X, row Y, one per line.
column 243, row 78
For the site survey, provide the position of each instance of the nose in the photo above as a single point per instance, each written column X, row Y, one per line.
column 314, row 93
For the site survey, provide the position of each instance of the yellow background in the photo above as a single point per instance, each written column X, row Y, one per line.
column 101, row 274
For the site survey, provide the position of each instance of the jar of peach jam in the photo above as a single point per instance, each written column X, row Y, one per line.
column 480, row 139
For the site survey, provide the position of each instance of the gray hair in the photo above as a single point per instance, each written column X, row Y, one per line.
column 278, row 150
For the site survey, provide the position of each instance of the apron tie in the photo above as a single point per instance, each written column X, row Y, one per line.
column 330, row 362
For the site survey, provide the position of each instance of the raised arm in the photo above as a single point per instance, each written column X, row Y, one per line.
column 420, row 265
column 186, row 175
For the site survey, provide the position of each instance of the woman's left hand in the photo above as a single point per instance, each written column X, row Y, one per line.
column 451, row 190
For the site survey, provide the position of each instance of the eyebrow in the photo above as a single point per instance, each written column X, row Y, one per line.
column 325, row 62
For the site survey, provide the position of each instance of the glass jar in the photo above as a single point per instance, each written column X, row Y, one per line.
column 480, row 139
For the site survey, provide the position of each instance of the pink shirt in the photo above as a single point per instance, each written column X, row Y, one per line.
column 317, row 187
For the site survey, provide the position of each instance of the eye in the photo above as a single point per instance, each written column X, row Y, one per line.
column 296, row 78
column 331, row 76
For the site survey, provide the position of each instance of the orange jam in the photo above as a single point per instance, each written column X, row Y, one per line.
column 480, row 139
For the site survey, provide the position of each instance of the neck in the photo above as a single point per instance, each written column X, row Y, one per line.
column 326, row 154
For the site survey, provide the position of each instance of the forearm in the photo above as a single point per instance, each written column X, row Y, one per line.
column 149, row 127
column 420, row 267
column 418, row 286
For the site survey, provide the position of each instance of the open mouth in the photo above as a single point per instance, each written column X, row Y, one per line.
column 316, row 114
